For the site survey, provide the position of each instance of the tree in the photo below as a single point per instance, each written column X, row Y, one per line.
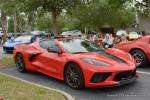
column 4, row 25
column 54, row 7
column 100, row 13
column 11, row 25
column 43, row 22
column 143, row 7
column 8, row 8
column 4, row 12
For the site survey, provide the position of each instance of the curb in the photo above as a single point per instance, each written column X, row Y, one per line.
column 68, row 96
column 6, row 66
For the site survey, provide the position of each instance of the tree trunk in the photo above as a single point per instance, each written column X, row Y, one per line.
column 148, row 5
column 54, row 23
column 15, row 24
column 30, row 21
column 19, row 23
column 4, row 25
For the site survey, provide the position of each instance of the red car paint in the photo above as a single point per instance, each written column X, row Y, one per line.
column 53, row 64
column 142, row 44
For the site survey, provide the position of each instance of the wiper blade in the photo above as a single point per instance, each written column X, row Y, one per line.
column 99, row 51
column 78, row 52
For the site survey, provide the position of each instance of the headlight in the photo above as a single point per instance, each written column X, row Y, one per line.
column 130, row 56
column 94, row 62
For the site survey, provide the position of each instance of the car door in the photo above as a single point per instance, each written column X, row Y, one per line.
column 50, row 61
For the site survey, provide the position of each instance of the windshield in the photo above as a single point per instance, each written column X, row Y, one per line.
column 121, row 32
column 133, row 33
column 80, row 46
column 23, row 39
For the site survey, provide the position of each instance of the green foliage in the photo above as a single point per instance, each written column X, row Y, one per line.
column 54, row 7
column 11, row 25
column 62, row 15
column 101, row 13
column 8, row 6
column 44, row 23
column 13, row 89
column 21, row 22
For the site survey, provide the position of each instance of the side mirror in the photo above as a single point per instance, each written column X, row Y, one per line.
column 54, row 50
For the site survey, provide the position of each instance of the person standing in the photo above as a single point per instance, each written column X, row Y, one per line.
column 107, row 41
column 124, row 38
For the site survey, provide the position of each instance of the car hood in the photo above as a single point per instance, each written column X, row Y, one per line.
column 11, row 43
column 119, row 54
column 112, row 57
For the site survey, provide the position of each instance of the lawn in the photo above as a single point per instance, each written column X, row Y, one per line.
column 13, row 89
column 6, row 61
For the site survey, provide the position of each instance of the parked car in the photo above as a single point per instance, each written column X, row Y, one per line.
column 72, row 33
column 79, row 62
column 1, row 33
column 121, row 32
column 37, row 32
column 133, row 35
column 139, row 49
column 11, row 43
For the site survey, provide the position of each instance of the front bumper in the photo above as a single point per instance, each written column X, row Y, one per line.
column 8, row 49
column 111, row 79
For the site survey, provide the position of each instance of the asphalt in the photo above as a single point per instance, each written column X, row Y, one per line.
column 138, row 90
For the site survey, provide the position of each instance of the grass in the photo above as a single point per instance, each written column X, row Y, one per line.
column 6, row 61
column 13, row 89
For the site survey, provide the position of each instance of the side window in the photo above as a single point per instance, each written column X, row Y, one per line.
column 49, row 44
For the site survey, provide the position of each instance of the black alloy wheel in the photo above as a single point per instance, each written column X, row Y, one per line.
column 74, row 76
column 20, row 64
column 140, row 58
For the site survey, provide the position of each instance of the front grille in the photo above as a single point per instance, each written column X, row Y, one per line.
column 99, row 77
column 125, row 75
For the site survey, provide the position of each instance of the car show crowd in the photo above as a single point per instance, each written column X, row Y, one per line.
column 106, row 40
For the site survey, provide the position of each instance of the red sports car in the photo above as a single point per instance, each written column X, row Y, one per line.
column 79, row 62
column 139, row 49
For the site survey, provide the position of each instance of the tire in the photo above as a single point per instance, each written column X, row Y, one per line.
column 20, row 64
column 140, row 57
column 74, row 76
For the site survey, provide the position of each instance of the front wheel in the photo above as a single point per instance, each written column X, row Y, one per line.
column 74, row 76
column 20, row 64
column 140, row 58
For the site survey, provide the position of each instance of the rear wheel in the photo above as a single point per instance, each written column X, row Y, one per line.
column 74, row 76
column 20, row 64
column 140, row 58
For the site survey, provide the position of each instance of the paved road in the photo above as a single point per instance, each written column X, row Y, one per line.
column 139, row 90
